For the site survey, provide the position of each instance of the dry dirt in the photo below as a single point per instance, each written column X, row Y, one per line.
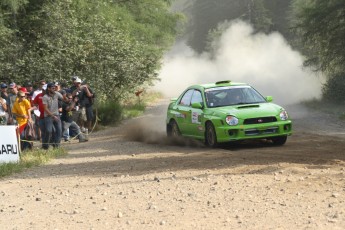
column 132, row 177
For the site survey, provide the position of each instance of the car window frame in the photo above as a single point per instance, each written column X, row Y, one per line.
column 180, row 100
column 202, row 98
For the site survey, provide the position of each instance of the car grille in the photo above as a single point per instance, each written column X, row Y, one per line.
column 253, row 132
column 259, row 120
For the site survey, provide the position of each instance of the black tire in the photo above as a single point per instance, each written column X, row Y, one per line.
column 279, row 140
column 174, row 129
column 210, row 135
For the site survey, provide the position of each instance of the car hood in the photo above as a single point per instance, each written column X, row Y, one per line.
column 249, row 110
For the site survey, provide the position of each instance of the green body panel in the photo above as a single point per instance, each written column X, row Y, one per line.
column 264, row 118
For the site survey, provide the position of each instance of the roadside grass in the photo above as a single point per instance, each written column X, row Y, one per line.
column 30, row 159
column 327, row 107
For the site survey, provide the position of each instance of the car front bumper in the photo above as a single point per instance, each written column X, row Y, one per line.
column 228, row 133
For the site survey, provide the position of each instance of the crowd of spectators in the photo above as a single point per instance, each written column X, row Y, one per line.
column 48, row 112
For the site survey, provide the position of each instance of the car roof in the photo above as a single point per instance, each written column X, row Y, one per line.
column 219, row 84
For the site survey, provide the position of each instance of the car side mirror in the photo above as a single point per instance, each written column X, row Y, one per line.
column 269, row 98
column 197, row 105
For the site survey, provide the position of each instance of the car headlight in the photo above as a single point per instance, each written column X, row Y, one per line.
column 231, row 120
column 284, row 115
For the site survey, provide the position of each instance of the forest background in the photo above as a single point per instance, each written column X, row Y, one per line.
column 117, row 46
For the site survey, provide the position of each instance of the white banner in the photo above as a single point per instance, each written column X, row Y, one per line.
column 9, row 148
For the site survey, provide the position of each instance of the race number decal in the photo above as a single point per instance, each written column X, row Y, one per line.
column 195, row 118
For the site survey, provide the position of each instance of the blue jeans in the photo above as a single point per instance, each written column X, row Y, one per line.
column 73, row 126
column 52, row 133
column 42, row 126
column 24, row 143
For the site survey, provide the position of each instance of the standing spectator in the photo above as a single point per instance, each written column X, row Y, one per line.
column 4, row 93
column 51, row 117
column 30, row 90
column 3, row 111
column 38, row 102
column 41, row 83
column 22, row 111
column 3, row 104
column 86, row 96
column 67, row 116
column 74, row 84
column 12, row 96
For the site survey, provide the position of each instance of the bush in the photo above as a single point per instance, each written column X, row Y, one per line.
column 109, row 112
column 334, row 89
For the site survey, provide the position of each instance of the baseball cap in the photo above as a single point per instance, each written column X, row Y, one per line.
column 50, row 84
column 74, row 78
column 3, row 86
column 78, row 80
column 44, row 87
column 23, row 89
column 21, row 93
column 12, row 85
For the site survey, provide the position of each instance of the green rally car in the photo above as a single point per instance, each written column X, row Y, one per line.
column 226, row 111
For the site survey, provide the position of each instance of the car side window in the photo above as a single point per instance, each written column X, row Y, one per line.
column 197, row 97
column 185, row 100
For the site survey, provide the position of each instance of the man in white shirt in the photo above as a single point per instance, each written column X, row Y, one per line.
column 41, row 83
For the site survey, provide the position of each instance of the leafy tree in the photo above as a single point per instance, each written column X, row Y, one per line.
column 116, row 46
column 321, row 26
column 321, row 29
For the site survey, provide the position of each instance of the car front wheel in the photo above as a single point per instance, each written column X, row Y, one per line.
column 279, row 140
column 175, row 131
column 210, row 135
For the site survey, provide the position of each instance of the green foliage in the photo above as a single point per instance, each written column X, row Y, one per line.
column 30, row 159
column 109, row 112
column 116, row 46
column 206, row 16
column 321, row 27
column 333, row 90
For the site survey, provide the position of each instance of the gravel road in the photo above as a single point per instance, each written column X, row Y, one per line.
column 133, row 177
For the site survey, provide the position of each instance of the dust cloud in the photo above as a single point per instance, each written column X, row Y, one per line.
column 266, row 62
column 150, row 128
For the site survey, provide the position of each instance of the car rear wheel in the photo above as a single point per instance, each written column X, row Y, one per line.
column 175, row 131
column 210, row 136
column 279, row 140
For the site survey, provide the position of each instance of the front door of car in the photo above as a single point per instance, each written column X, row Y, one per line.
column 183, row 112
column 195, row 127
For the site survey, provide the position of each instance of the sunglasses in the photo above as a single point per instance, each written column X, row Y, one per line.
column 22, row 96
column 70, row 98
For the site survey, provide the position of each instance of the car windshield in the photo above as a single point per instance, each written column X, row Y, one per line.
column 232, row 95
